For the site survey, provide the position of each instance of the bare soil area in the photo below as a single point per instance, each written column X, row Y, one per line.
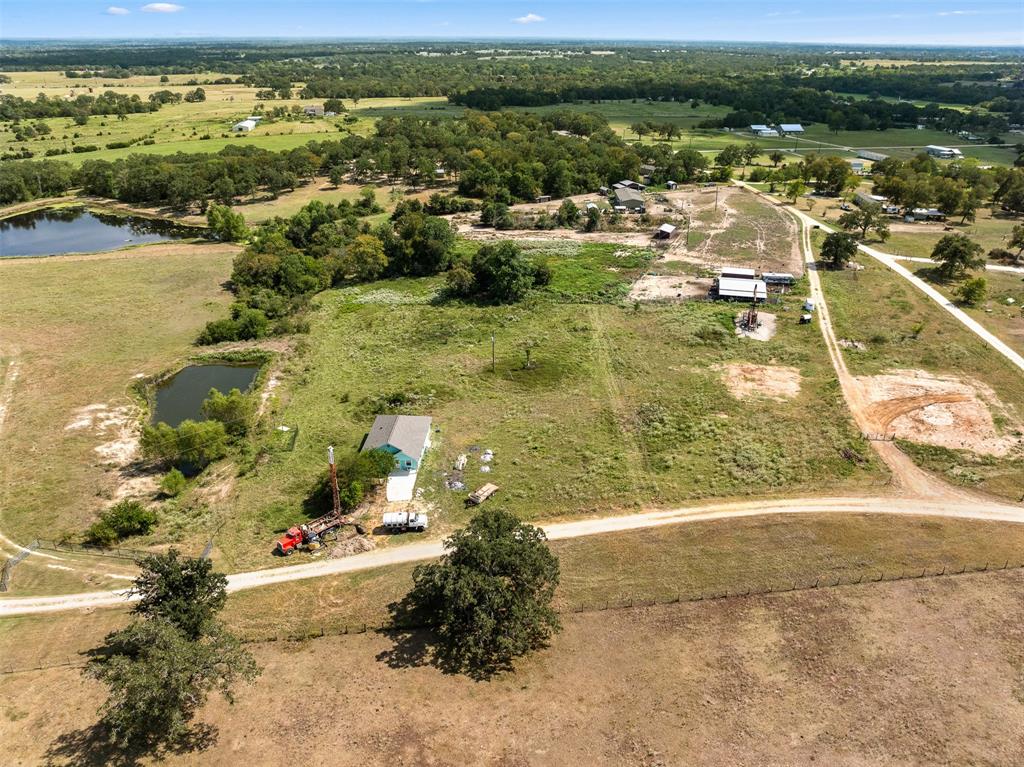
column 473, row 232
column 668, row 287
column 937, row 410
column 765, row 330
column 919, row 672
column 746, row 380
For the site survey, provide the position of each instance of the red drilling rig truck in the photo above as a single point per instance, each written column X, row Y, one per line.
column 310, row 535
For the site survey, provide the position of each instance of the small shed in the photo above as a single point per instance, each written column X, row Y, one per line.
column 665, row 232
column 544, row 198
column 406, row 437
column 244, row 126
column 791, row 128
column 778, row 278
column 671, row 184
column 314, row 110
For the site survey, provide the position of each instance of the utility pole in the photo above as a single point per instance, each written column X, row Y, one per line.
column 493, row 368
column 334, row 480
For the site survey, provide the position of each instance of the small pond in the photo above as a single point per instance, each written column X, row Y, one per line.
column 54, row 231
column 180, row 398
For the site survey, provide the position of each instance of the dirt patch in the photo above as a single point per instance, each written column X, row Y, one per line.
column 944, row 411
column 472, row 232
column 132, row 251
column 846, row 343
column 119, row 423
column 745, row 380
column 668, row 287
column 9, row 373
column 763, row 331
column 357, row 544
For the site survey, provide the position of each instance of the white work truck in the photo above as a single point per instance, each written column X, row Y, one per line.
column 405, row 521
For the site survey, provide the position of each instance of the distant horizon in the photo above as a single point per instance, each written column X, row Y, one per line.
column 889, row 23
column 509, row 39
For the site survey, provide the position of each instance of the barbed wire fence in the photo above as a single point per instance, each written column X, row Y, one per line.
column 783, row 586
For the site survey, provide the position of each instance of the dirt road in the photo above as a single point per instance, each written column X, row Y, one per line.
column 892, row 262
column 416, row 552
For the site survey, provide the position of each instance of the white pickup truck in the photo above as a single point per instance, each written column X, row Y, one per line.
column 402, row 521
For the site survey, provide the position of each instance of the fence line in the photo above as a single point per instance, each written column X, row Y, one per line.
column 9, row 565
column 85, row 548
column 820, row 582
column 830, row 581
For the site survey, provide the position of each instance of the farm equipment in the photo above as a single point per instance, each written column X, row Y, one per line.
column 311, row 535
column 403, row 521
column 481, row 494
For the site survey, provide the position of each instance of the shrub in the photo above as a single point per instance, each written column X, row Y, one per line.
column 120, row 521
column 173, row 483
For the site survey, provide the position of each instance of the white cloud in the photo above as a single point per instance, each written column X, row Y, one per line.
column 162, row 8
column 116, row 10
column 530, row 18
column 958, row 13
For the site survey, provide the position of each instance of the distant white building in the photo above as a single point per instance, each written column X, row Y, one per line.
column 943, row 152
column 791, row 128
column 763, row 131
column 244, row 127
column 314, row 110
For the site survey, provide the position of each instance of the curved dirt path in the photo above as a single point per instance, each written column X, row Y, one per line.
column 426, row 550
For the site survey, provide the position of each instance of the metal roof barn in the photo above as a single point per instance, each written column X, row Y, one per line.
column 731, row 287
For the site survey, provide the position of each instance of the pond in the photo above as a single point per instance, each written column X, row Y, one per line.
column 180, row 398
column 54, row 231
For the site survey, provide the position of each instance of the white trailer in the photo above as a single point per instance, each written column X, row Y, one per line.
column 403, row 521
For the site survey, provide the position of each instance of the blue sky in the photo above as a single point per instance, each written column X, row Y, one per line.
column 912, row 22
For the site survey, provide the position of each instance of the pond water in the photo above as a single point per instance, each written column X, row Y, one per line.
column 180, row 398
column 54, row 231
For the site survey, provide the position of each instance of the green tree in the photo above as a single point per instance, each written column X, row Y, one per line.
column 365, row 258
column 593, row 220
column 158, row 679
column 776, row 157
column 185, row 591
column 866, row 218
column 489, row 597
column 336, row 175
column 956, row 254
column 972, row 292
column 225, row 224
column 795, row 189
column 501, row 272
column 568, row 213
column 191, row 445
column 640, row 129
column 234, row 409
column 1016, row 239
column 838, row 249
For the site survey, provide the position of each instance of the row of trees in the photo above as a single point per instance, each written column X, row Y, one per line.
column 107, row 103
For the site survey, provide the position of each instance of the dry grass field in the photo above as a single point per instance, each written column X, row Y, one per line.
column 922, row 672
column 78, row 330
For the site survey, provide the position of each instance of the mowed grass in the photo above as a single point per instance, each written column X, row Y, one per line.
column 79, row 329
column 1005, row 320
column 622, row 407
column 902, row 328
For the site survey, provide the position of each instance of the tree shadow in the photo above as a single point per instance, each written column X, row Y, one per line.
column 415, row 645
column 92, row 747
